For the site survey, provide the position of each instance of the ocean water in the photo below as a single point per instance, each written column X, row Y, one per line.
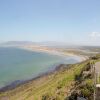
column 19, row 64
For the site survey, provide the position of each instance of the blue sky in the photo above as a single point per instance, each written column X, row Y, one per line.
column 69, row 21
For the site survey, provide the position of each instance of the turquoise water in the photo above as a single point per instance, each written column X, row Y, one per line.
column 20, row 64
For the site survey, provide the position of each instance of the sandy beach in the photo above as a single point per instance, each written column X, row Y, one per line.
column 53, row 51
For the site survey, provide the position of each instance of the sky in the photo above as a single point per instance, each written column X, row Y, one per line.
column 66, row 21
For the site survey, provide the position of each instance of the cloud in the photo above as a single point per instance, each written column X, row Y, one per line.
column 95, row 34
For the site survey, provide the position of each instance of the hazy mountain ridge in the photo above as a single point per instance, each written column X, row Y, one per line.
column 52, row 44
column 46, row 43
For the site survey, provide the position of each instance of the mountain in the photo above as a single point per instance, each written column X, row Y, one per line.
column 46, row 43
column 17, row 43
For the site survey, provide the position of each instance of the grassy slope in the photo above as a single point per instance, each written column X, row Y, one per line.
column 56, row 85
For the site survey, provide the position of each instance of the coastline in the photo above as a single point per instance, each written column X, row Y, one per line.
column 18, row 83
column 51, row 51
column 42, row 85
column 54, row 52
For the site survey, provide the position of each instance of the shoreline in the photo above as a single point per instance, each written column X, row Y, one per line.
column 17, row 83
column 53, row 52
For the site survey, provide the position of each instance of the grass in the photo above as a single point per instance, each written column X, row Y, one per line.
column 55, row 86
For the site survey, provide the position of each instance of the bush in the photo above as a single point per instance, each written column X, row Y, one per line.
column 49, row 96
column 73, row 96
column 85, row 92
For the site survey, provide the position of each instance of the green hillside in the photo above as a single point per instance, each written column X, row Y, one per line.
column 59, row 85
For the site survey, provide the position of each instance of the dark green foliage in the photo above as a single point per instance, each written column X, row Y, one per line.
column 73, row 96
column 85, row 88
column 50, row 97
column 47, row 97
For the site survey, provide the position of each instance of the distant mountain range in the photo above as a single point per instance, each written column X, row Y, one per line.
column 12, row 43
column 46, row 43
column 51, row 44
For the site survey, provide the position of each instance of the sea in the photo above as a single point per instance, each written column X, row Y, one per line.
column 20, row 64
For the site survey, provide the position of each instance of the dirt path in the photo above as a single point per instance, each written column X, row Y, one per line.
column 97, row 67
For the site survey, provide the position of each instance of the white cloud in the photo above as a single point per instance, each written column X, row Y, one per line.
column 95, row 34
